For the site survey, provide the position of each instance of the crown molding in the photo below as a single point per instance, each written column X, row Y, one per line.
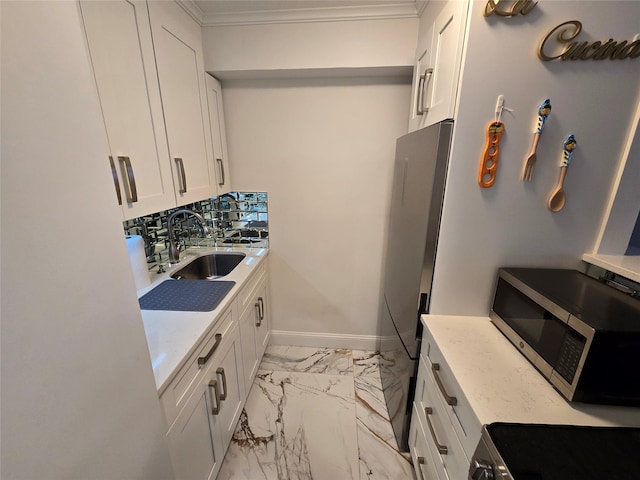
column 420, row 6
column 192, row 9
column 309, row 15
column 398, row 74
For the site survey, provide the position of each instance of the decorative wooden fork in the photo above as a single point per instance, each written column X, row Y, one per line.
column 543, row 113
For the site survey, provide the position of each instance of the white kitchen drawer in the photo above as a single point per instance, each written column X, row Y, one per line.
column 187, row 378
column 457, row 407
column 245, row 297
column 423, row 462
column 450, row 459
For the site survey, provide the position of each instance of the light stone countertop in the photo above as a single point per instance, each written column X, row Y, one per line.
column 173, row 336
column 626, row 265
column 502, row 386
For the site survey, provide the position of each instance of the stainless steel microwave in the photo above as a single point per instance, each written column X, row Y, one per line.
column 581, row 334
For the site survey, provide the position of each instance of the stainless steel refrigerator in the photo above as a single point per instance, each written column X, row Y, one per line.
column 416, row 205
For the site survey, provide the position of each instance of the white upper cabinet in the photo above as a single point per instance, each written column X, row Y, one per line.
column 218, row 134
column 119, row 38
column 177, row 40
column 437, row 67
column 148, row 65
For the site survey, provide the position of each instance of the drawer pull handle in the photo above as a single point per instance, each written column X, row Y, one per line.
column 449, row 399
column 421, row 462
column 257, row 312
column 215, row 395
column 261, row 302
column 442, row 449
column 205, row 359
column 220, row 371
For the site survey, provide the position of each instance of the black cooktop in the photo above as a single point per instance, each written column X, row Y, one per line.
column 568, row 452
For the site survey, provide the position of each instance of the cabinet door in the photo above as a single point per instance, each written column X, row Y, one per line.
column 437, row 67
column 119, row 39
column 177, row 40
column 448, row 33
column 229, row 375
column 201, row 433
column 422, row 461
column 218, row 134
column 250, row 359
column 194, row 435
column 422, row 73
column 263, row 324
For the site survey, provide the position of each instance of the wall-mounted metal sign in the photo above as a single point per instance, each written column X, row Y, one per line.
column 508, row 8
column 564, row 46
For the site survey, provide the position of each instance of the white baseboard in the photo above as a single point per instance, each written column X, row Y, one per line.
column 324, row 340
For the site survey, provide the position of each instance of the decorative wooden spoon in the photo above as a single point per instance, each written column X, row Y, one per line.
column 558, row 198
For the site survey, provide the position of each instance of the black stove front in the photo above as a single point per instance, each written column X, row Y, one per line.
column 557, row 452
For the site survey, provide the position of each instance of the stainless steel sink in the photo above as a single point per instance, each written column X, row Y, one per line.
column 207, row 267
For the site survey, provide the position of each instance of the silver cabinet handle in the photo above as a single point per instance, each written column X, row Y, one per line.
column 221, row 164
column 435, row 368
column 261, row 302
column 220, row 371
column 425, row 78
column 205, row 359
column 182, row 179
column 442, row 449
column 132, row 191
column 419, row 96
column 215, row 395
column 114, row 172
column 256, row 306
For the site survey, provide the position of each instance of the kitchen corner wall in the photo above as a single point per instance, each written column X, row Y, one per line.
column 312, row 112
column 509, row 224
column 324, row 150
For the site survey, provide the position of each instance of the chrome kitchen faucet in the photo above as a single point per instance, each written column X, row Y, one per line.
column 174, row 245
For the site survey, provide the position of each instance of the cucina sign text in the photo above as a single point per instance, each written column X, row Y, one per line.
column 508, row 9
column 564, row 46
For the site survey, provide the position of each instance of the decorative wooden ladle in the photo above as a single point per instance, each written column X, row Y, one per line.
column 558, row 198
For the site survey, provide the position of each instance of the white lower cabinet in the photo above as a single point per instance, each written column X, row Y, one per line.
column 203, row 402
column 470, row 375
column 193, row 438
column 449, row 459
column 443, row 421
column 420, row 454
column 200, row 435
column 254, row 327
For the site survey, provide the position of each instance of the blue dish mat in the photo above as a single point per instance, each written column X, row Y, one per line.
column 186, row 295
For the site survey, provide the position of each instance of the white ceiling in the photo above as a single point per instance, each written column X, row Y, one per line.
column 214, row 12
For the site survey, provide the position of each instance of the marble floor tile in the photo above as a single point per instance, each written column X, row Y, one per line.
column 308, row 359
column 378, row 449
column 315, row 414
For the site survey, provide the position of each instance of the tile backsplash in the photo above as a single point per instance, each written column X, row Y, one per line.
column 234, row 219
